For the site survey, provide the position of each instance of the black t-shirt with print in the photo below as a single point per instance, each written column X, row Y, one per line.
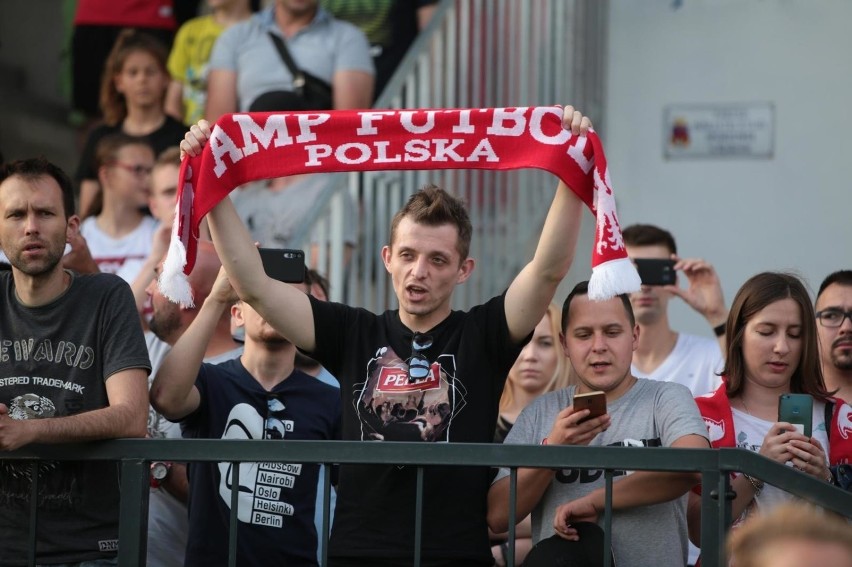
column 470, row 358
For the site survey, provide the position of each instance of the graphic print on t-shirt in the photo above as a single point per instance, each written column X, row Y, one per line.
column 16, row 476
column 263, row 486
column 390, row 407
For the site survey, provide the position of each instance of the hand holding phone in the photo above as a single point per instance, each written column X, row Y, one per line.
column 797, row 409
column 656, row 271
column 283, row 264
column 595, row 402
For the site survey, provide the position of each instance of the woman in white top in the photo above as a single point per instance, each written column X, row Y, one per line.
column 771, row 350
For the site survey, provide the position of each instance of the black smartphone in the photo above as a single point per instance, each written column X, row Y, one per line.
column 283, row 264
column 656, row 271
column 797, row 409
column 595, row 402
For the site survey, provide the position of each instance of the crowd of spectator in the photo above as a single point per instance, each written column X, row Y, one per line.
column 83, row 322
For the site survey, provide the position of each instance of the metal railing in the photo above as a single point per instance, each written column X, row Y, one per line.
column 134, row 455
column 473, row 54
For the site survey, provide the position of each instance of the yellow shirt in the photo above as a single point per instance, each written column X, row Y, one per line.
column 188, row 63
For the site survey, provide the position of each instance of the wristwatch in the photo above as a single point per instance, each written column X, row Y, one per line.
column 159, row 472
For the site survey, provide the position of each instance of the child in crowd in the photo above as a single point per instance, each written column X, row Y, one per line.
column 119, row 237
column 133, row 90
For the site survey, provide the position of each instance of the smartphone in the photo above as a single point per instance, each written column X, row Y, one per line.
column 283, row 264
column 797, row 409
column 656, row 271
column 595, row 402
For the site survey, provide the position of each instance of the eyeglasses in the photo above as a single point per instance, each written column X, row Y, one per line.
column 273, row 427
column 418, row 365
column 137, row 170
column 833, row 317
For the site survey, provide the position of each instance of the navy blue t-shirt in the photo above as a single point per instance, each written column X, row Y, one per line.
column 277, row 500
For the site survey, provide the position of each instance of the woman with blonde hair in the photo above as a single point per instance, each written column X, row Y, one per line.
column 540, row 368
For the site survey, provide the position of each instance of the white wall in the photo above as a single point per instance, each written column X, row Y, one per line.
column 790, row 212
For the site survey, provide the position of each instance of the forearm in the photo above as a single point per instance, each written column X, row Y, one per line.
column 559, row 235
column 147, row 273
column 172, row 389
column 115, row 421
column 532, row 483
column 643, row 488
column 237, row 252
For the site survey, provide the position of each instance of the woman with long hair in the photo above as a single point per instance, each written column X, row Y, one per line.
column 132, row 98
column 540, row 368
column 771, row 350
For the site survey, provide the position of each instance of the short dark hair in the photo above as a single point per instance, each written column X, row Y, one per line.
column 840, row 277
column 756, row 293
column 433, row 206
column 648, row 235
column 33, row 168
column 582, row 288
column 314, row 277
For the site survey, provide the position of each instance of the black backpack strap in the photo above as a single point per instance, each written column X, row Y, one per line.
column 298, row 75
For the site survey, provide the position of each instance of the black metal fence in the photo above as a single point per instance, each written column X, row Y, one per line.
column 135, row 455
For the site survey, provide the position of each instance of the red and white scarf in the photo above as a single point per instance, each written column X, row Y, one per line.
column 253, row 146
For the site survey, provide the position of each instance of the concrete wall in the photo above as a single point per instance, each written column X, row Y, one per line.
column 790, row 212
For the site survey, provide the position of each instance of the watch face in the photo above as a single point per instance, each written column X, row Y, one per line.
column 159, row 470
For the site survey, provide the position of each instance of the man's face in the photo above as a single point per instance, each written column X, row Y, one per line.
column 425, row 267
column 164, row 180
column 650, row 302
column 33, row 227
column 256, row 327
column 600, row 342
column 835, row 344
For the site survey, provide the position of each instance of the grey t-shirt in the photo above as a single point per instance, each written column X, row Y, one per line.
column 55, row 360
column 652, row 536
column 323, row 48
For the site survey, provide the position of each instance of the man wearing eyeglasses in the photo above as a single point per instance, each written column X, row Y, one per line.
column 422, row 372
column 834, row 315
column 834, row 325
column 119, row 237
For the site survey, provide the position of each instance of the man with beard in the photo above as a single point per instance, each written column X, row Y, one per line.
column 834, row 317
column 72, row 368
column 167, row 515
column 260, row 395
column 834, row 314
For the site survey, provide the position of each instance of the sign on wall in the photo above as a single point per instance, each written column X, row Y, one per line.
column 742, row 130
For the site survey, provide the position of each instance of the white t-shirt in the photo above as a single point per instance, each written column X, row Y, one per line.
column 694, row 362
column 750, row 432
column 121, row 256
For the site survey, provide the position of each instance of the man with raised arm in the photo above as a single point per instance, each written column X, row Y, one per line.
column 422, row 372
column 73, row 367
column 260, row 395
